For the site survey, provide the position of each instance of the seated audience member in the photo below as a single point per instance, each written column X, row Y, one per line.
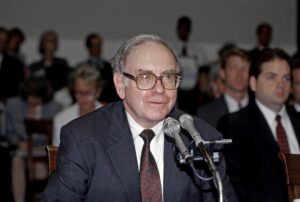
column 102, row 155
column 35, row 102
column 235, row 69
column 85, row 83
column 264, row 32
column 191, row 56
column 15, row 39
column 94, row 47
column 11, row 69
column 296, row 85
column 218, row 86
column 190, row 100
column 55, row 69
column 261, row 130
column 6, row 129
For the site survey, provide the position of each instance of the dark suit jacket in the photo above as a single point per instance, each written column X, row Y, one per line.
column 97, row 162
column 252, row 160
column 213, row 111
column 11, row 75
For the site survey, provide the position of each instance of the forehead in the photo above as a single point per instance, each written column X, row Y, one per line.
column 236, row 58
column 276, row 66
column 151, row 56
column 80, row 83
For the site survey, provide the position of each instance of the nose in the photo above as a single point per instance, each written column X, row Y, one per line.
column 158, row 86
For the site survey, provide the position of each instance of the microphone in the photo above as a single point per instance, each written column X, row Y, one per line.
column 172, row 129
column 187, row 123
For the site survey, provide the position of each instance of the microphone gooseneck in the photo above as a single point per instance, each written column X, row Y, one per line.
column 187, row 122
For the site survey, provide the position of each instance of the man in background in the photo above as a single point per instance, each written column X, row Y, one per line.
column 235, row 67
column 94, row 46
column 261, row 130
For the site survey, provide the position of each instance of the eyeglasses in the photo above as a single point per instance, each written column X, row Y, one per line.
column 146, row 81
column 85, row 93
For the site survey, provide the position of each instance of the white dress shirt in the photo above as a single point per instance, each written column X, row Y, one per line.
column 286, row 123
column 233, row 105
column 156, row 145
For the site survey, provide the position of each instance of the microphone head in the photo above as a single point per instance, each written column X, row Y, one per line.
column 185, row 119
column 171, row 127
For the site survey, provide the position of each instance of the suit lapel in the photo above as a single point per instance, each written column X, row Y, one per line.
column 121, row 151
column 171, row 177
column 265, row 136
column 295, row 119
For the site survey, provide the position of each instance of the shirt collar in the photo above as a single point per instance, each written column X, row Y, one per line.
column 136, row 129
column 269, row 114
column 232, row 104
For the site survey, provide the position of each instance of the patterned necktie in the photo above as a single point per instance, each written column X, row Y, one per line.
column 149, row 175
column 281, row 136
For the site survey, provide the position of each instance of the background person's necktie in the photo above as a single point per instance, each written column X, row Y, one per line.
column 281, row 136
column 149, row 175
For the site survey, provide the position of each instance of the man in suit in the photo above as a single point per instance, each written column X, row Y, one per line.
column 100, row 155
column 235, row 64
column 296, row 85
column 264, row 32
column 94, row 46
column 258, row 133
column 11, row 70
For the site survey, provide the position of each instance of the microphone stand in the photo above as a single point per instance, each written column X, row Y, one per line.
column 213, row 169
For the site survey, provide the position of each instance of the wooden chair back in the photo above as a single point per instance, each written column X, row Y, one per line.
column 291, row 164
column 52, row 153
column 43, row 127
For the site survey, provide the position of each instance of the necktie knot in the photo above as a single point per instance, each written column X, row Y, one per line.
column 147, row 135
column 278, row 118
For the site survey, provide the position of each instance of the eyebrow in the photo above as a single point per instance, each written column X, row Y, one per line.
column 170, row 71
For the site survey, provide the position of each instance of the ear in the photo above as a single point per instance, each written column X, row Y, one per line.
column 119, row 84
column 252, row 83
column 222, row 73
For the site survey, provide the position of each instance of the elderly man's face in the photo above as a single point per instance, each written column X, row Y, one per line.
column 147, row 107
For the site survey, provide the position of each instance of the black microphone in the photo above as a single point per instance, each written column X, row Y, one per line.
column 187, row 122
column 172, row 129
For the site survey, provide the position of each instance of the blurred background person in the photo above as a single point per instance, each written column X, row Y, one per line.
column 235, row 67
column 86, row 85
column 191, row 56
column 94, row 47
column 11, row 69
column 261, row 130
column 16, row 38
column 55, row 69
column 264, row 34
column 35, row 102
column 296, row 85
column 190, row 100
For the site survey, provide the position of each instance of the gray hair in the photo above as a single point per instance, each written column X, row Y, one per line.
column 119, row 60
column 88, row 73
